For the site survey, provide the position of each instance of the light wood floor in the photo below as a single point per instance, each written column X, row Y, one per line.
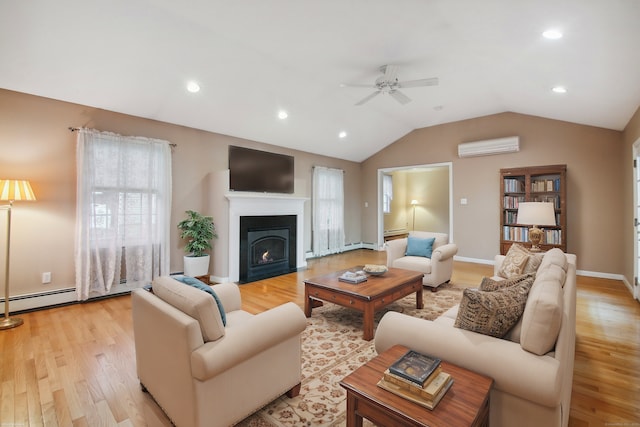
column 75, row 365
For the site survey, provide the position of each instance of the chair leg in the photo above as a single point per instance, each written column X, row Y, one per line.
column 294, row 391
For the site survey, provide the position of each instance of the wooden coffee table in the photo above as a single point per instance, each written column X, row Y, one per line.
column 465, row 404
column 367, row 297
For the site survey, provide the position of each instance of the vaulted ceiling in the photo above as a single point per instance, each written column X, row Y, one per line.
column 255, row 58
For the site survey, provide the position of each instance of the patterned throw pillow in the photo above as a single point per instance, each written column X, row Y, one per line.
column 493, row 313
column 490, row 285
column 516, row 262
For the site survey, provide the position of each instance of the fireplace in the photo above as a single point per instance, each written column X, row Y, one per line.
column 243, row 204
column 267, row 246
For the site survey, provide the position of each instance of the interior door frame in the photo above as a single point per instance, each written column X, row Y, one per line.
column 636, row 216
column 382, row 171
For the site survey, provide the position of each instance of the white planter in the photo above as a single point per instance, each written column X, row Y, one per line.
column 196, row 266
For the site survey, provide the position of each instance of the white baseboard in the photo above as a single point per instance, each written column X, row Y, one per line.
column 40, row 300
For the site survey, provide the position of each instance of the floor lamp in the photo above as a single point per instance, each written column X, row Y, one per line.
column 413, row 204
column 11, row 190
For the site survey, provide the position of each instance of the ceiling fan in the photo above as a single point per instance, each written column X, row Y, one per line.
column 388, row 83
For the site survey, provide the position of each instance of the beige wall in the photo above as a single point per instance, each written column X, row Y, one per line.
column 594, row 176
column 35, row 144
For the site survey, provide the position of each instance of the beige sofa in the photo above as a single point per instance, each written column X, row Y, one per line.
column 437, row 269
column 532, row 366
column 203, row 373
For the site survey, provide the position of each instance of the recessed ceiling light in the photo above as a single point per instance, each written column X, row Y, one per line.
column 282, row 115
column 559, row 89
column 552, row 34
column 342, row 134
column 193, row 87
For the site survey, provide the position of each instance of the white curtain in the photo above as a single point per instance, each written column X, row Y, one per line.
column 122, row 212
column 328, row 210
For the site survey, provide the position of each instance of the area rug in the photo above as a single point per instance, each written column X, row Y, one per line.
column 332, row 347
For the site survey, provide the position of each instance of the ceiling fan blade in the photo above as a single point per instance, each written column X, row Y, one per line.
column 390, row 72
column 422, row 82
column 400, row 97
column 369, row 85
column 369, row 97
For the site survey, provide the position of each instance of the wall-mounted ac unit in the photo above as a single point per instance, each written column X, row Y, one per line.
column 510, row 144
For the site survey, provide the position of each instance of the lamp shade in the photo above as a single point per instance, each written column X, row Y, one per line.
column 15, row 189
column 414, row 202
column 536, row 213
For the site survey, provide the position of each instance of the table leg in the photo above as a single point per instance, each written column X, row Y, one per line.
column 419, row 301
column 353, row 419
column 307, row 303
column 367, row 318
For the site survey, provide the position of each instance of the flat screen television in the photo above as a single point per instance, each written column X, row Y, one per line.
column 260, row 171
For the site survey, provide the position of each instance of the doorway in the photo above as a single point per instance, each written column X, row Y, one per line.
column 422, row 200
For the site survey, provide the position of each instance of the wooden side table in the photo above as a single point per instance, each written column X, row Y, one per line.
column 465, row 404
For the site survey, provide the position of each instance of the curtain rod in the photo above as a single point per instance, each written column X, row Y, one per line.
column 73, row 129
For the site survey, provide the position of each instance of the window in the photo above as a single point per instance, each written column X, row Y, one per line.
column 387, row 193
column 328, row 210
column 123, row 211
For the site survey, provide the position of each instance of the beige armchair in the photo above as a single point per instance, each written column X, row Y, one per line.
column 203, row 372
column 437, row 269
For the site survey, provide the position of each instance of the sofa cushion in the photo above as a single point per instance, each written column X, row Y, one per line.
column 493, row 312
column 519, row 260
column 555, row 256
column 192, row 281
column 542, row 315
column 417, row 246
column 414, row 263
column 194, row 303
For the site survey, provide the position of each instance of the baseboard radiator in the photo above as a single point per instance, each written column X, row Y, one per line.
column 40, row 300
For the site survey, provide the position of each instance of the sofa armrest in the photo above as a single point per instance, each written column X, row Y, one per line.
column 229, row 294
column 244, row 341
column 395, row 249
column 444, row 252
column 514, row 370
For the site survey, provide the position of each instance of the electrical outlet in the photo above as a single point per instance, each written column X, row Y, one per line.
column 46, row 277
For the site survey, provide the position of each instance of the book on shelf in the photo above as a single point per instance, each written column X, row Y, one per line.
column 415, row 367
column 429, row 403
column 432, row 387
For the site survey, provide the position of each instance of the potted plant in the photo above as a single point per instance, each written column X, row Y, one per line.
column 200, row 230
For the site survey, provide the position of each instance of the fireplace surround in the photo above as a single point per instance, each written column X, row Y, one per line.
column 263, row 204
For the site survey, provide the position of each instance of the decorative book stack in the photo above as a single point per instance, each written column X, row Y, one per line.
column 353, row 277
column 417, row 377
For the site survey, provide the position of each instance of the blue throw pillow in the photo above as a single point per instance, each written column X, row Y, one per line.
column 198, row 284
column 420, row 247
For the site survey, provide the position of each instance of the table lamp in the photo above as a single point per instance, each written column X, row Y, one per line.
column 536, row 214
column 11, row 190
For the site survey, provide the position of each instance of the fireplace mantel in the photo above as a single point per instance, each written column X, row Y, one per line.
column 261, row 204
